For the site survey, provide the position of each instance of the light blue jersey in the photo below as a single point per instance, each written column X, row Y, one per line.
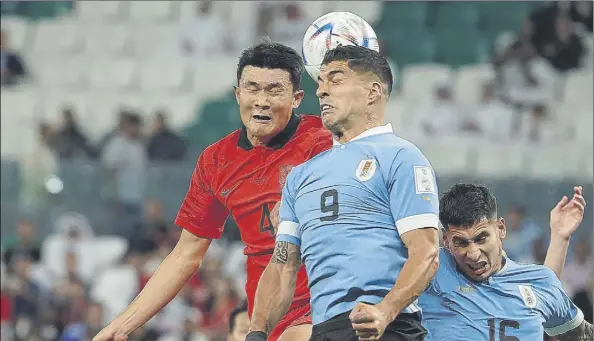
column 346, row 209
column 517, row 303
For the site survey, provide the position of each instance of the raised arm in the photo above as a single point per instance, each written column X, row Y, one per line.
column 276, row 288
column 565, row 219
column 169, row 278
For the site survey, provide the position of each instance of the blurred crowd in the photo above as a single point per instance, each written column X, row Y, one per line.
column 67, row 285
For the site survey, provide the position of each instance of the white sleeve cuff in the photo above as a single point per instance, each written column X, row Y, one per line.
column 568, row 326
column 290, row 228
column 418, row 221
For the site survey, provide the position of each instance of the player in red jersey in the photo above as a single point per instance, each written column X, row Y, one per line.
column 242, row 175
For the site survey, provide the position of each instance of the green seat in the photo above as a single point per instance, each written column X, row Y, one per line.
column 12, row 7
column 47, row 9
column 402, row 14
column 411, row 47
column 461, row 47
column 10, row 181
column 505, row 15
column 310, row 104
column 457, row 14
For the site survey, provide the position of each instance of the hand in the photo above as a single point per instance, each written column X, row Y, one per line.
column 275, row 216
column 369, row 321
column 568, row 214
column 110, row 334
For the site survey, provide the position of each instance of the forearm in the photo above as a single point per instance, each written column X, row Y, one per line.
column 417, row 272
column 167, row 281
column 556, row 254
column 273, row 297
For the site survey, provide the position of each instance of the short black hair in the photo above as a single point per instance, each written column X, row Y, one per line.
column 270, row 55
column 362, row 59
column 241, row 308
column 464, row 205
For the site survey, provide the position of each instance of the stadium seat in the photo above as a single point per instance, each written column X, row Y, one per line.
column 215, row 76
column 463, row 15
column 154, row 40
column 17, row 29
column 113, row 75
column 54, row 249
column 98, row 11
column 11, row 8
column 19, row 104
column 10, row 179
column 555, row 161
column 181, row 108
column 153, row 11
column 51, row 104
column 504, row 15
column 462, row 46
column 57, row 37
column 408, row 46
column 498, row 160
column 164, row 75
column 418, row 81
column 583, row 122
column 68, row 73
column 397, row 15
column 107, row 40
column 37, row 10
column 469, row 81
column 396, row 113
column 448, row 156
column 578, row 87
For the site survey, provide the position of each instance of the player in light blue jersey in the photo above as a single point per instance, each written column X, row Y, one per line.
column 362, row 217
column 479, row 294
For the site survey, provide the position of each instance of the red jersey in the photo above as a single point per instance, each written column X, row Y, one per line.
column 234, row 177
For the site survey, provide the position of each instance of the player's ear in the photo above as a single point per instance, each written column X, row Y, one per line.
column 446, row 242
column 236, row 91
column 375, row 92
column 297, row 98
column 501, row 229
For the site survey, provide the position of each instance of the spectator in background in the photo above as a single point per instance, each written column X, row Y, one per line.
column 581, row 13
column 287, row 24
column 522, row 235
column 125, row 158
column 38, row 166
column 578, row 273
column 164, row 144
column 206, row 33
column 443, row 116
column 239, row 323
column 524, row 79
column 565, row 50
column 494, row 118
column 153, row 230
column 71, row 141
column 584, row 299
column 24, row 242
column 124, row 113
column 190, row 329
column 89, row 325
column 536, row 126
column 12, row 68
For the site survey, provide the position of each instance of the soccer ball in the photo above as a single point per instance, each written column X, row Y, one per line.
column 332, row 30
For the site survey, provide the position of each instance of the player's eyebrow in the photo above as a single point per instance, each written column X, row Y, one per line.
column 332, row 74
column 274, row 85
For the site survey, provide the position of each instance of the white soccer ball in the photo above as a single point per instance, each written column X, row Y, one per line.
column 332, row 30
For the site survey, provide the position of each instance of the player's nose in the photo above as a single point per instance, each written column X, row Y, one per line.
column 473, row 253
column 261, row 102
column 322, row 90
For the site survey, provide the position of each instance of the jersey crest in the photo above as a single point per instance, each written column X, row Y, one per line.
column 527, row 295
column 366, row 169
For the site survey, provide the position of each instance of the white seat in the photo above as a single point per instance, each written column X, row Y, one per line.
column 578, row 87
column 583, row 127
column 152, row 11
column 418, row 81
column 113, row 74
column 448, row 156
column 395, row 113
column 62, row 73
column 17, row 29
column 107, row 40
column 154, row 40
column 164, row 75
column 18, row 124
column 220, row 73
column 57, row 37
column 98, row 11
column 470, row 80
column 498, row 161
column 587, row 171
column 181, row 108
column 555, row 161
column 19, row 104
column 368, row 10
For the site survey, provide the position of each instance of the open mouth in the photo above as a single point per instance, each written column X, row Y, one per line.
column 325, row 108
column 478, row 268
column 261, row 118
